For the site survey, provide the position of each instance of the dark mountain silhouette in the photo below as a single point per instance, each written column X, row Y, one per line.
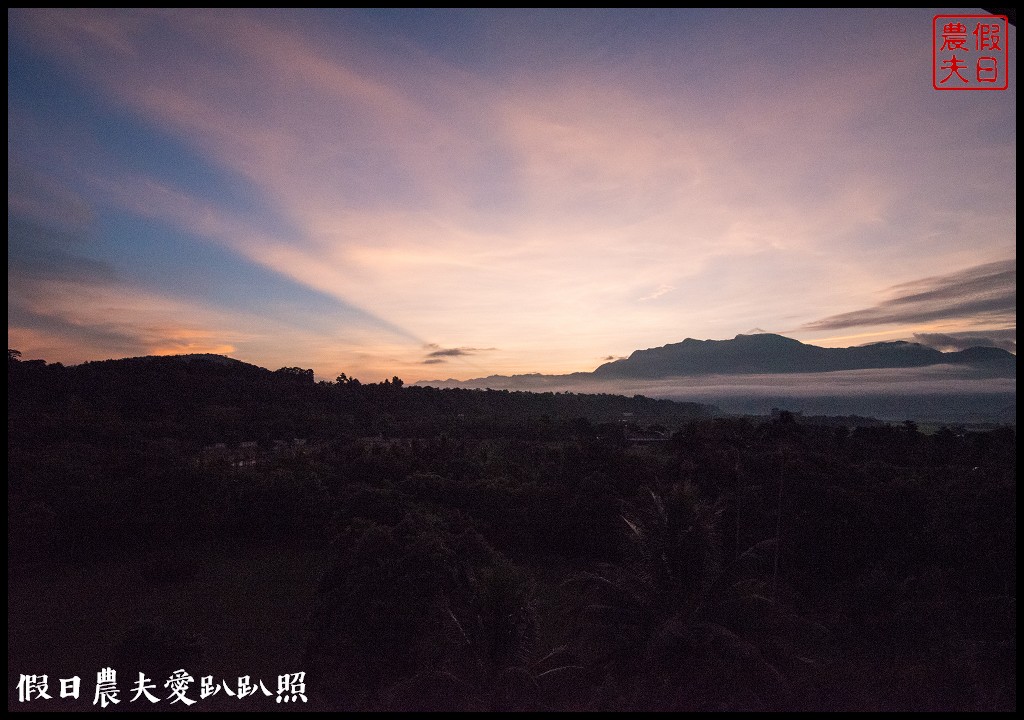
column 752, row 373
column 768, row 353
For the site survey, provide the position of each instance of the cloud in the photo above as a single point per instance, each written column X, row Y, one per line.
column 455, row 352
column 986, row 291
column 166, row 203
column 38, row 252
column 947, row 393
column 1005, row 339
column 440, row 354
column 27, row 326
column 657, row 292
column 450, row 352
column 44, row 199
column 934, row 379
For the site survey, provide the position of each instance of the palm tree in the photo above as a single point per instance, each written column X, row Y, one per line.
column 671, row 628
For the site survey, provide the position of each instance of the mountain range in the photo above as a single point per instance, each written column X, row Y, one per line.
column 768, row 353
column 754, row 373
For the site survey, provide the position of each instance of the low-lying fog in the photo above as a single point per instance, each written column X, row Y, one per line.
column 943, row 393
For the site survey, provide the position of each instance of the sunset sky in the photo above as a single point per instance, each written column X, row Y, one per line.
column 460, row 193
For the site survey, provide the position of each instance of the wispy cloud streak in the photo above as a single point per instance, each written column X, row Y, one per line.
column 986, row 292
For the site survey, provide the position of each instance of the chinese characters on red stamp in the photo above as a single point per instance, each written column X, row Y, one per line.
column 970, row 52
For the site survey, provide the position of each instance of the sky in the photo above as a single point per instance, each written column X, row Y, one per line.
column 453, row 194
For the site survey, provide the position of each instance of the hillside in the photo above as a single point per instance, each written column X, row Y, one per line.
column 422, row 549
